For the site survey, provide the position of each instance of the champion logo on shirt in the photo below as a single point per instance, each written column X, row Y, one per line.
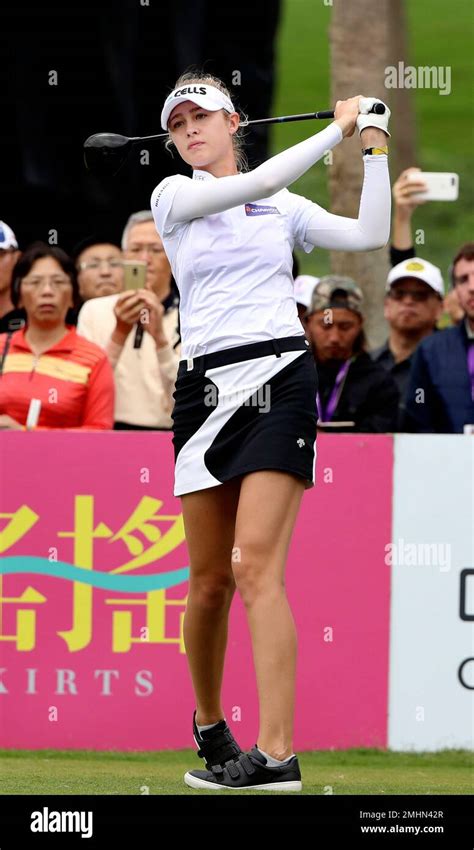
column 259, row 209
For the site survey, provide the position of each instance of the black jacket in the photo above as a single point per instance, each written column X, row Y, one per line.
column 369, row 395
column 438, row 397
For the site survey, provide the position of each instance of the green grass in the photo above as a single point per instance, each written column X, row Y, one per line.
column 355, row 772
column 439, row 35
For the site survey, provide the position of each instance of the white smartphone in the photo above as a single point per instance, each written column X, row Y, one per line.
column 34, row 411
column 441, row 185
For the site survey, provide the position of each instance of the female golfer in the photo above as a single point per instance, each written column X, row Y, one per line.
column 244, row 415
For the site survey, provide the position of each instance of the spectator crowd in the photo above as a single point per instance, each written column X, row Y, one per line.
column 92, row 341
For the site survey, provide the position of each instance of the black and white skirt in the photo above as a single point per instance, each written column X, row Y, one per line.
column 243, row 409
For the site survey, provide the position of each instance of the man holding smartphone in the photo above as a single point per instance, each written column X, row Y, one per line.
column 144, row 375
column 407, row 197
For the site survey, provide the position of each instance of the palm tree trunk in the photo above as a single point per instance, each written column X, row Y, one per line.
column 360, row 52
column 402, row 98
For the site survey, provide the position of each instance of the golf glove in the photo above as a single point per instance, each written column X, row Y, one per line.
column 370, row 119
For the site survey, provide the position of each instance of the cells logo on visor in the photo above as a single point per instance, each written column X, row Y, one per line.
column 260, row 209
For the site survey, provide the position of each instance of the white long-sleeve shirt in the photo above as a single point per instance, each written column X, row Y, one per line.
column 230, row 241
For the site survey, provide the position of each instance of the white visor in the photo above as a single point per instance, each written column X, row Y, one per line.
column 7, row 237
column 208, row 97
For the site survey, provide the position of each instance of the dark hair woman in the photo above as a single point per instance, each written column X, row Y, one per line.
column 50, row 377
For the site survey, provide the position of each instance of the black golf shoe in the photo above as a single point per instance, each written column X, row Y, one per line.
column 216, row 745
column 249, row 770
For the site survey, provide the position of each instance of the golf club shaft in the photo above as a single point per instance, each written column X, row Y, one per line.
column 305, row 116
column 283, row 119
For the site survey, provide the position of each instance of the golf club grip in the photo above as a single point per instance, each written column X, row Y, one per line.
column 137, row 342
column 377, row 109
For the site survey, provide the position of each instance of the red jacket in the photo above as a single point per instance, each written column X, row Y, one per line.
column 73, row 380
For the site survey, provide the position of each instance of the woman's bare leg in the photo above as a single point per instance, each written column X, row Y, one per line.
column 209, row 522
column 266, row 514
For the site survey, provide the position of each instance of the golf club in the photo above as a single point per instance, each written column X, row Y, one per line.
column 105, row 153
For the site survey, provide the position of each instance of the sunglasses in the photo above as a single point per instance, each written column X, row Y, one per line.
column 416, row 294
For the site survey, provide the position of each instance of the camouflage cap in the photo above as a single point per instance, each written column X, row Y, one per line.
column 336, row 291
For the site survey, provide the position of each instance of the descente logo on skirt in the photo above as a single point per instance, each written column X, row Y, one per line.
column 256, row 209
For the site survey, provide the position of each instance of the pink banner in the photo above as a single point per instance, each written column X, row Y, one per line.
column 93, row 584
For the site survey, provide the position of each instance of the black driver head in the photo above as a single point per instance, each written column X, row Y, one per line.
column 105, row 153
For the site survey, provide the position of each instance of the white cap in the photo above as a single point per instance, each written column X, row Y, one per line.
column 421, row 269
column 208, row 97
column 304, row 286
column 7, row 237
